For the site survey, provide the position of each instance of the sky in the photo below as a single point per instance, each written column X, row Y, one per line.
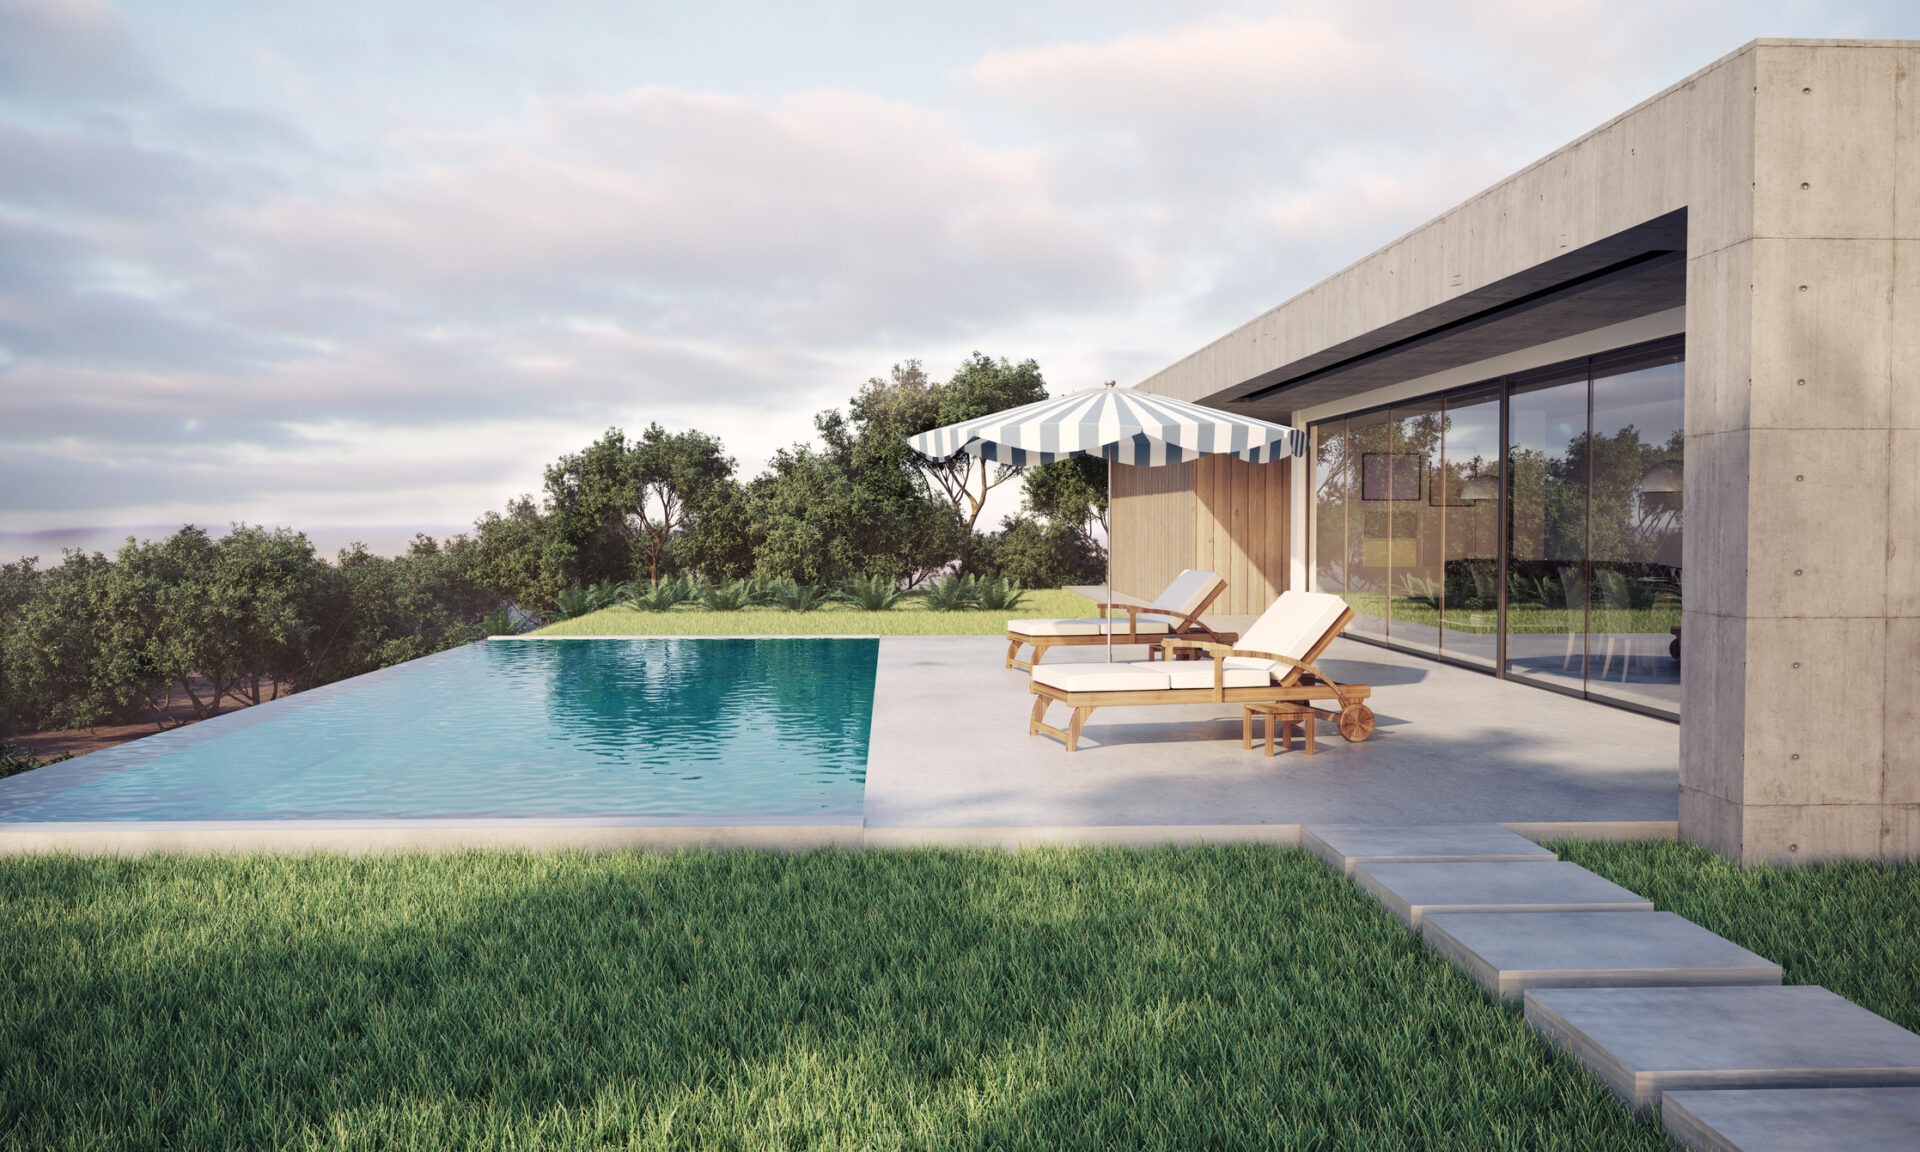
column 365, row 269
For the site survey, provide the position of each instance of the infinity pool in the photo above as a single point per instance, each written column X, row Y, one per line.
column 773, row 728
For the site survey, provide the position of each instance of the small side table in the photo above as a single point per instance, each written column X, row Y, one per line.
column 1287, row 716
column 1158, row 652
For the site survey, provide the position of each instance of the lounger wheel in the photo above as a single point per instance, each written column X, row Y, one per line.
column 1356, row 722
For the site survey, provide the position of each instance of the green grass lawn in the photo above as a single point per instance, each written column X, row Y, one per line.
column 1178, row 998
column 1852, row 927
column 909, row 619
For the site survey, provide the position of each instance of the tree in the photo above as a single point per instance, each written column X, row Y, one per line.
column 1037, row 554
column 888, row 411
column 681, row 477
column 848, row 508
column 517, row 556
column 592, row 500
column 1071, row 493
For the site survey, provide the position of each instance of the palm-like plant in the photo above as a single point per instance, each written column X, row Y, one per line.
column 999, row 595
column 797, row 597
column 574, row 601
column 663, row 595
column 954, row 594
column 871, row 593
column 728, row 597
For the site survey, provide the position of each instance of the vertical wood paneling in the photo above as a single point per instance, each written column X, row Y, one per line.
column 1153, row 526
column 1217, row 513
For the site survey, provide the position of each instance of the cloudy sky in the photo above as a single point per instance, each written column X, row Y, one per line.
column 365, row 268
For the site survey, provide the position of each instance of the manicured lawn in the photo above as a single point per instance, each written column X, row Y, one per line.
column 1853, row 927
column 1197, row 998
column 908, row 619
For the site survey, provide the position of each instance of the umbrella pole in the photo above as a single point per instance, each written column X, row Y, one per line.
column 1109, row 559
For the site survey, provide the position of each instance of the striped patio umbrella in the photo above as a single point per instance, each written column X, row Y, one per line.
column 1118, row 425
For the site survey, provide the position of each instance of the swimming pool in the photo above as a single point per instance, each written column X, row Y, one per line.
column 644, row 728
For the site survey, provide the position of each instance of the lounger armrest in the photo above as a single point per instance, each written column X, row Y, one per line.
column 1100, row 595
column 1207, row 646
column 1287, row 660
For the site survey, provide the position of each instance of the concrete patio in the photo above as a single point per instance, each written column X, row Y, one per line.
column 950, row 751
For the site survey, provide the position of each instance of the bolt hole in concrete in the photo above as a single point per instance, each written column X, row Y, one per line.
column 1804, row 186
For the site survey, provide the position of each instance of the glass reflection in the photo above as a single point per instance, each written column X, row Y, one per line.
column 1414, row 525
column 1331, row 482
column 1547, row 590
column 1469, row 498
column 1638, row 449
column 1372, row 544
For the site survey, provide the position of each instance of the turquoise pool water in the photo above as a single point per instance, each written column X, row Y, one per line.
column 523, row 728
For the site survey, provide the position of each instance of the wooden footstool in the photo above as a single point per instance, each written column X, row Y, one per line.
column 1285, row 715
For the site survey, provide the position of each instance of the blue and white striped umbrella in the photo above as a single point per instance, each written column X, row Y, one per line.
column 1118, row 425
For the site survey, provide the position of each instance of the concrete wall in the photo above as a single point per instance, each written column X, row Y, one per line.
column 1803, row 401
column 1799, row 165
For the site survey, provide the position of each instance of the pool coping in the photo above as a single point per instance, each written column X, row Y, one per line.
column 360, row 837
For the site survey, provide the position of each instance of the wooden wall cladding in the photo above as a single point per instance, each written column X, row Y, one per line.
column 1217, row 513
column 1153, row 530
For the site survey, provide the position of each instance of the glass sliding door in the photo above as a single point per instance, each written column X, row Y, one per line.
column 1530, row 526
column 1372, row 546
column 1638, row 451
column 1331, row 491
column 1547, row 582
column 1413, row 521
column 1467, row 492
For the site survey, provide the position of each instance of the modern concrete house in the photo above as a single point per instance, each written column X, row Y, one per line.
column 1640, row 423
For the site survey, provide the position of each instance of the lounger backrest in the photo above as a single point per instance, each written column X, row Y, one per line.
column 1188, row 591
column 1293, row 625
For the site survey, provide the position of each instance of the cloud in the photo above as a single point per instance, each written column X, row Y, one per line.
column 68, row 49
column 318, row 284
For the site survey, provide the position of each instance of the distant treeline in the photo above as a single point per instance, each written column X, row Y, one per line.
column 211, row 622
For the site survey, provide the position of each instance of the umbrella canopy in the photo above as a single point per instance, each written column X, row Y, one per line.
column 1118, row 425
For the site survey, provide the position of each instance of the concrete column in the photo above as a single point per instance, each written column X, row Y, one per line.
column 1801, row 734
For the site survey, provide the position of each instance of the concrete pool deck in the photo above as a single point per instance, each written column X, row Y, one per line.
column 950, row 762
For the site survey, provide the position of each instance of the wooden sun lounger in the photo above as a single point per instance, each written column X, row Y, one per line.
column 1184, row 626
column 1303, row 683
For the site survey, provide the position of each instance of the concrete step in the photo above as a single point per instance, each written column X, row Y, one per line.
column 1510, row 952
column 1414, row 891
column 1646, row 1041
column 1793, row 1119
column 1344, row 845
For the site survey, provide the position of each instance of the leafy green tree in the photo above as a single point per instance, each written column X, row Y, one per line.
column 848, row 508
column 591, row 502
column 1073, row 493
column 1037, row 554
column 57, row 670
column 887, row 411
column 517, row 556
column 683, row 476
column 381, row 610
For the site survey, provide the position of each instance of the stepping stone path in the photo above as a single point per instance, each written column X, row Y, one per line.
column 1793, row 1119
column 1508, row 953
column 1645, row 1041
column 1344, row 845
column 1415, row 891
column 1658, row 1007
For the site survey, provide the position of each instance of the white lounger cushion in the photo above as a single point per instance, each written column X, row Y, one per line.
column 1173, row 605
column 1186, row 592
column 1240, row 672
column 1292, row 625
column 1091, row 626
column 1103, row 677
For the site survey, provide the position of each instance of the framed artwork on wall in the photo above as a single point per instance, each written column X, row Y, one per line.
column 1390, row 475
